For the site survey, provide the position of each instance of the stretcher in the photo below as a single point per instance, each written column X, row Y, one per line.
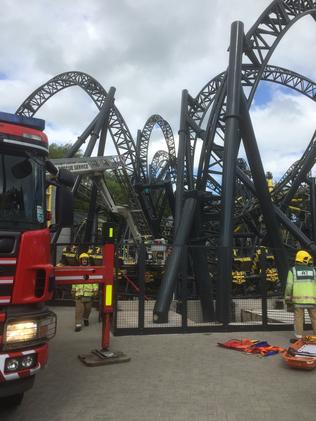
column 301, row 354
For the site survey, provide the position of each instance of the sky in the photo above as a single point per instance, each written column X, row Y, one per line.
column 149, row 50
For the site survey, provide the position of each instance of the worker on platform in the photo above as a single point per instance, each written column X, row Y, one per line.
column 84, row 295
column 301, row 291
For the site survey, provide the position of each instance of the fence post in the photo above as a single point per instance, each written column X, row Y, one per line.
column 184, row 288
column 141, row 283
column 107, row 292
column 263, row 285
column 115, row 294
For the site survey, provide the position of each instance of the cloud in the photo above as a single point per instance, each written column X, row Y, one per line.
column 284, row 127
column 150, row 51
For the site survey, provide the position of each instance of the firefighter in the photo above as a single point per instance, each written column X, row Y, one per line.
column 83, row 294
column 301, row 292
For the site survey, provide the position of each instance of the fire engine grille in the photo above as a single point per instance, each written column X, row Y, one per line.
column 7, row 270
column 7, row 274
column 5, row 290
column 9, row 242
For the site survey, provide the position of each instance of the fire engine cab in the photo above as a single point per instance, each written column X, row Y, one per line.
column 26, row 272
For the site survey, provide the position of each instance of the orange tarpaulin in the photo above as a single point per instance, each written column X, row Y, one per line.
column 252, row 346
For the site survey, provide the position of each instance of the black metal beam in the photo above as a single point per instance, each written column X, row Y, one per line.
column 312, row 186
column 231, row 147
column 181, row 159
column 164, row 298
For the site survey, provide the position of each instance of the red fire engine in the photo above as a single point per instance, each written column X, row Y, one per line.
column 26, row 273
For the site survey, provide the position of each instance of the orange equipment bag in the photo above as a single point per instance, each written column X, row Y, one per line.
column 302, row 354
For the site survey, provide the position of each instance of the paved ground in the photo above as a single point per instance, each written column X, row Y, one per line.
column 170, row 377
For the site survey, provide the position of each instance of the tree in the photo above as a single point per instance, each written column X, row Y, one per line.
column 118, row 193
column 57, row 151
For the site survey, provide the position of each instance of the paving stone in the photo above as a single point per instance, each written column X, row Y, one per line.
column 169, row 377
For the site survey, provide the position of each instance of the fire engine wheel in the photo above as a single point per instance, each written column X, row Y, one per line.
column 11, row 401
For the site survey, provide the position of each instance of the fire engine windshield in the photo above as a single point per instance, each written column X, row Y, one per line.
column 22, row 192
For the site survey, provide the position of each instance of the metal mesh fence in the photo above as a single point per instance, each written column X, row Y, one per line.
column 256, row 300
column 127, row 313
column 256, row 297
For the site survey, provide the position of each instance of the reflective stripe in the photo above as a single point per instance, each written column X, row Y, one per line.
column 77, row 278
column 30, row 145
column 8, row 262
column 307, row 280
column 6, row 281
column 305, row 273
column 85, row 290
column 302, row 297
column 68, row 278
column 35, row 369
column 11, row 376
column 108, row 295
column 31, row 351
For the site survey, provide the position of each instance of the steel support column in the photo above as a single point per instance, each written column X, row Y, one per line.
column 312, row 186
column 101, row 120
column 91, row 218
column 166, row 290
column 181, row 159
column 231, row 147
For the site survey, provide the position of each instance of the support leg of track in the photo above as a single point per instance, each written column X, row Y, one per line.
column 231, row 147
column 161, row 309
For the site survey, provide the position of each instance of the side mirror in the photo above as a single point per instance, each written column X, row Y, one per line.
column 64, row 207
column 22, row 169
column 65, row 177
column 50, row 167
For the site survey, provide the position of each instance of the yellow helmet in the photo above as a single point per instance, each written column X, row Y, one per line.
column 84, row 256
column 303, row 256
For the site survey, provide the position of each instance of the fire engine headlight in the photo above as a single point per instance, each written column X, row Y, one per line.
column 12, row 364
column 20, row 331
column 20, row 363
column 30, row 332
column 28, row 361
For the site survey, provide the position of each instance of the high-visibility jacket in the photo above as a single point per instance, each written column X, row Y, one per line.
column 301, row 285
column 85, row 290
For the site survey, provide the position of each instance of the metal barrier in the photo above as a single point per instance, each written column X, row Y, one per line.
column 256, row 299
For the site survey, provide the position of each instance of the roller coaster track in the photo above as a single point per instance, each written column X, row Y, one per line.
column 144, row 137
column 119, row 131
column 287, row 179
column 262, row 39
column 219, row 147
column 159, row 165
column 207, row 95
